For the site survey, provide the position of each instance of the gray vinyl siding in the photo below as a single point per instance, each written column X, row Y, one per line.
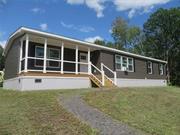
column 140, row 67
column 12, row 60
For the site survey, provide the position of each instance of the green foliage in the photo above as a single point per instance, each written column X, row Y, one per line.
column 104, row 43
column 162, row 35
column 126, row 37
column 1, row 58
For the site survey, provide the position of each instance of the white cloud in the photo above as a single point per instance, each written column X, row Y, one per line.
column 135, row 5
column 110, row 31
column 3, row 1
column 3, row 43
column 75, row 1
column 121, row 5
column 96, row 5
column 37, row 10
column 80, row 28
column 131, row 13
column 43, row 26
column 92, row 39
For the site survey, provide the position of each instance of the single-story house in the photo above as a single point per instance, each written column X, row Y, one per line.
column 36, row 60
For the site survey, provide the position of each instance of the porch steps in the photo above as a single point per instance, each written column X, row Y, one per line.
column 95, row 81
column 108, row 83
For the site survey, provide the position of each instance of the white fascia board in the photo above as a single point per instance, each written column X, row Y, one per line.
column 28, row 30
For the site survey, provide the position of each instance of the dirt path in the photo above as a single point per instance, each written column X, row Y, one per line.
column 96, row 119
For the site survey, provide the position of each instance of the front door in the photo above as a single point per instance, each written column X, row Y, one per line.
column 84, row 59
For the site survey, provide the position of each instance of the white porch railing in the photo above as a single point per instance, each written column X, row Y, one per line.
column 114, row 79
column 41, row 68
column 97, row 73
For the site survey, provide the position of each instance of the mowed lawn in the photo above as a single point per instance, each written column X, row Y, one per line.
column 153, row 110
column 37, row 113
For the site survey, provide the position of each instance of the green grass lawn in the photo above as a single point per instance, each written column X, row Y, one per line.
column 153, row 110
column 38, row 113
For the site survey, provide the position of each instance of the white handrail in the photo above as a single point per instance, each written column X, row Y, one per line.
column 102, row 65
column 114, row 73
column 96, row 68
column 101, row 72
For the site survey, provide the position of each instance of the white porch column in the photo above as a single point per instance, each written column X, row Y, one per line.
column 76, row 59
column 62, row 58
column 89, row 61
column 115, row 78
column 20, row 56
column 45, row 55
column 26, row 53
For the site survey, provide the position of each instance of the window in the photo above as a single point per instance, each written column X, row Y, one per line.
column 161, row 69
column 39, row 53
column 83, row 57
column 53, row 54
column 130, row 64
column 149, row 67
column 124, row 63
column 118, row 62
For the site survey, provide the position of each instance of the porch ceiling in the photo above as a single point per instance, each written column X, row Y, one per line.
column 55, row 42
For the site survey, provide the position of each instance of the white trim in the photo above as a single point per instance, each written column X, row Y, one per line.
column 23, row 30
column 20, row 56
column 89, row 61
column 53, row 59
column 76, row 59
column 127, row 65
column 151, row 67
column 161, row 68
column 62, row 58
column 38, row 57
column 50, row 48
column 45, row 55
column 26, row 53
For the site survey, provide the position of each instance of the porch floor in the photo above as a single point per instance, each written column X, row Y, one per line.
column 30, row 73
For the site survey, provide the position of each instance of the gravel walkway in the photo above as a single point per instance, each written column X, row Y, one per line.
column 96, row 119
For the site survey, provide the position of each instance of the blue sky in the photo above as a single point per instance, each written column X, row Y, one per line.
column 80, row 19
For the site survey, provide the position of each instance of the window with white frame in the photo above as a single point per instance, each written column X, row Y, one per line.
column 39, row 53
column 53, row 53
column 118, row 62
column 124, row 63
column 149, row 67
column 161, row 69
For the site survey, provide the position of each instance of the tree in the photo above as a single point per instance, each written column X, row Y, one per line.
column 100, row 42
column 104, row 43
column 126, row 37
column 162, row 33
column 119, row 31
column 1, row 58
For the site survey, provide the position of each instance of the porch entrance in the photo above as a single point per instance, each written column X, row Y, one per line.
column 83, row 57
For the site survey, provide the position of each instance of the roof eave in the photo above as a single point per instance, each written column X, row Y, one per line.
column 27, row 30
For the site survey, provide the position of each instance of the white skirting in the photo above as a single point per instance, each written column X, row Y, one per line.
column 140, row 82
column 46, row 83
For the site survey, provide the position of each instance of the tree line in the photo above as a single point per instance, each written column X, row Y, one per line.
column 159, row 38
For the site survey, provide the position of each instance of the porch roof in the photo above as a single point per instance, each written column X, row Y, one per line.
column 23, row 30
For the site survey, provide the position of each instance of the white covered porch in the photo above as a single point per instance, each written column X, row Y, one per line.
column 50, row 55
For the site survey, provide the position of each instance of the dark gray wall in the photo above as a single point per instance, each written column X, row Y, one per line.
column 12, row 60
column 140, row 67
